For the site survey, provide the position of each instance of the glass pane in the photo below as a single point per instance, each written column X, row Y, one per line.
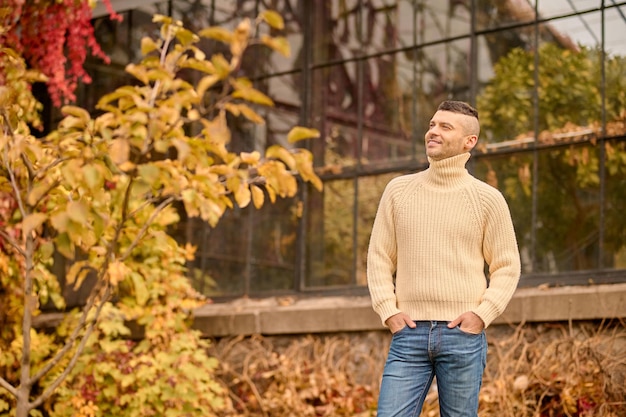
column 349, row 29
column 286, row 93
column 220, row 265
column 225, row 13
column 442, row 73
column 336, row 30
column 568, row 210
column 615, row 21
column 330, row 246
column 614, row 204
column 370, row 190
column 551, row 8
column 569, row 89
column 274, row 246
column 615, row 71
column 388, row 107
column 505, row 71
column 511, row 174
column 335, row 109
column 575, row 31
column 437, row 20
column 496, row 13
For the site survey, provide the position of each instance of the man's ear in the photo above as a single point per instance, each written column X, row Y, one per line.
column 470, row 142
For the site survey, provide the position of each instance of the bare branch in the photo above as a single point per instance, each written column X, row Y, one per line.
column 44, row 170
column 29, row 306
column 44, row 194
column 75, row 333
column 79, row 350
column 29, row 166
column 7, row 386
column 142, row 206
column 147, row 224
column 4, row 235
column 16, row 189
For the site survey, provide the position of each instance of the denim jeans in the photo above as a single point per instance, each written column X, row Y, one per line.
column 417, row 356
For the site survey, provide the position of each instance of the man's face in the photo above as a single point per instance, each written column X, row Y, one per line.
column 449, row 135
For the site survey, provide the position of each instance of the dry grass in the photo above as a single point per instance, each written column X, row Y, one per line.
column 533, row 371
column 557, row 370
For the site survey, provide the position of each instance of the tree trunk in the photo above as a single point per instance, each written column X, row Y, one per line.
column 22, row 409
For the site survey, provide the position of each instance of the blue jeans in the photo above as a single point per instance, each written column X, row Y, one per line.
column 431, row 350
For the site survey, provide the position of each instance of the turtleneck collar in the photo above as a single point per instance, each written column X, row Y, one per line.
column 449, row 172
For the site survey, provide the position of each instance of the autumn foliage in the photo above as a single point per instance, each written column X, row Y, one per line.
column 55, row 38
column 533, row 370
column 97, row 199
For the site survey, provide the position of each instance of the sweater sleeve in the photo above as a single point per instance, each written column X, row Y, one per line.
column 502, row 256
column 382, row 257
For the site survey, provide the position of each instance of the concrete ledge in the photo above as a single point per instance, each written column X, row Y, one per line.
column 289, row 315
column 566, row 303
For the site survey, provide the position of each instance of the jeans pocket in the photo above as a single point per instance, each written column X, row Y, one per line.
column 458, row 327
column 399, row 331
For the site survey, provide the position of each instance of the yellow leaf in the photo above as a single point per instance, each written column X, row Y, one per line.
column 65, row 246
column 278, row 152
column 240, row 191
column 182, row 148
column 32, row 222
column 77, row 112
column 77, row 273
column 232, row 108
column 117, row 272
column 37, row 192
column 190, row 251
column 93, row 177
column 205, row 83
column 138, row 72
column 78, row 212
column 304, row 164
column 240, row 38
column 217, row 33
column 279, row 43
column 272, row 193
column 167, row 217
column 242, row 196
column 159, row 18
column 141, row 289
column 258, row 196
column 149, row 173
column 273, row 19
column 252, row 95
column 119, row 151
column 299, row 133
column 251, row 115
column 60, row 221
column 221, row 65
column 148, row 45
column 250, row 158
column 186, row 37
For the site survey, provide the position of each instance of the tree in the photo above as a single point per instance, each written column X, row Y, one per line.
column 101, row 191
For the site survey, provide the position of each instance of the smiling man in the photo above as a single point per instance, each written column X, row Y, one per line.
column 433, row 234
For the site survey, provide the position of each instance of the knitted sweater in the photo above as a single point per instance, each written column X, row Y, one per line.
column 433, row 232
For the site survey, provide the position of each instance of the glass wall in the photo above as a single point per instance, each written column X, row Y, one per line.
column 547, row 76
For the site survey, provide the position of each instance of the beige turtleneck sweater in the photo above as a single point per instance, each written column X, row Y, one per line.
column 434, row 231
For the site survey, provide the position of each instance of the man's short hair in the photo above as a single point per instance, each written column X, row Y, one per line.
column 458, row 107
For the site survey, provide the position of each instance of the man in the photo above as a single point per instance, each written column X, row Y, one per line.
column 433, row 233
